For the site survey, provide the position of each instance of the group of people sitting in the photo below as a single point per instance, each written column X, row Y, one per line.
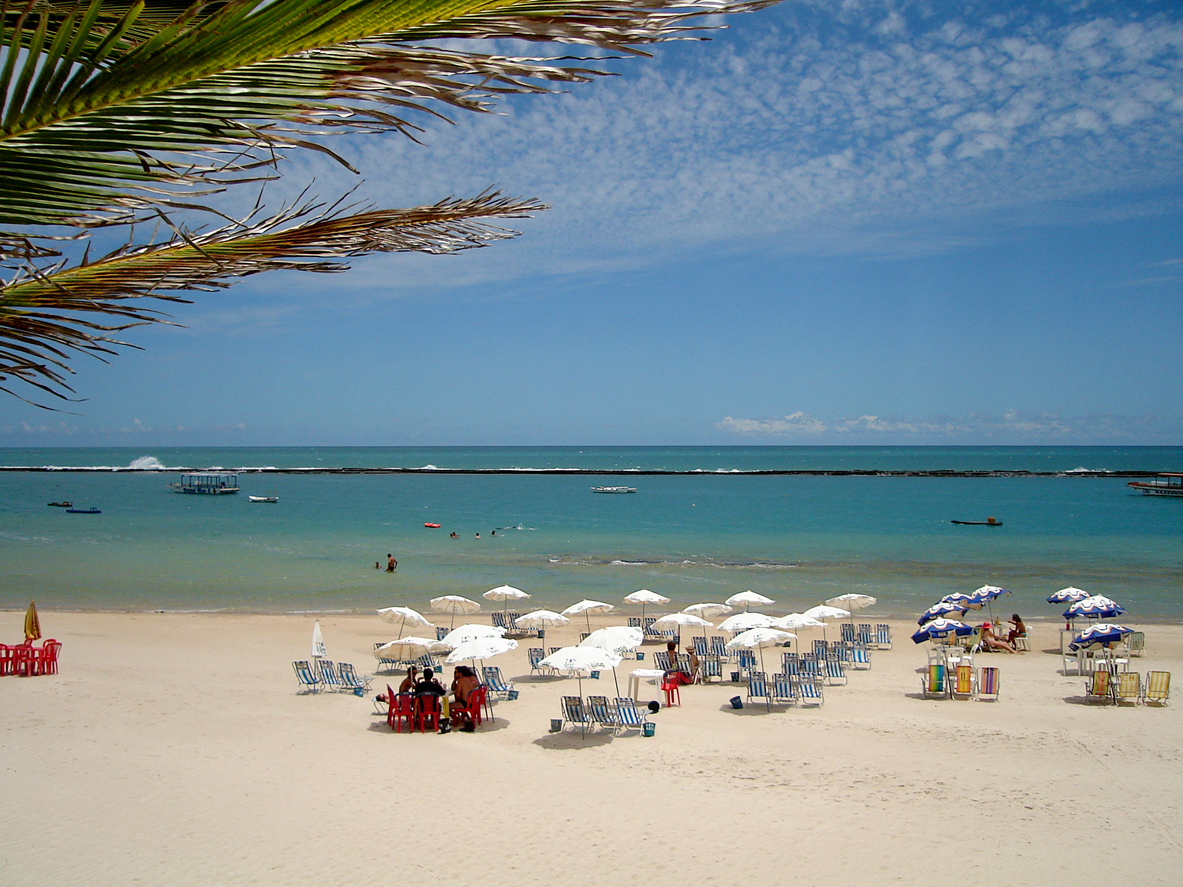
column 680, row 675
column 454, row 700
column 992, row 642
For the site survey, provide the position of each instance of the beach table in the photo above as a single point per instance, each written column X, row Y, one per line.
column 652, row 675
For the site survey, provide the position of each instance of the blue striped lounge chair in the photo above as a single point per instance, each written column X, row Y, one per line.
column 746, row 660
column 712, row 668
column 841, row 652
column 661, row 659
column 810, row 693
column 498, row 619
column 351, row 681
column 601, row 714
column 860, row 657
column 783, row 690
column 882, row 636
column 865, row 635
column 573, row 713
column 848, row 636
column 835, row 672
column 819, row 649
column 309, row 682
column 386, row 664
column 628, row 716
column 811, row 669
column 495, row 682
column 719, row 647
column 536, row 654
column 327, row 672
column 790, row 664
column 635, row 622
column 757, row 686
column 700, row 647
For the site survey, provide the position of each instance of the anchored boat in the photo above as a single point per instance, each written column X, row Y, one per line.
column 614, row 489
column 1166, row 484
column 207, row 483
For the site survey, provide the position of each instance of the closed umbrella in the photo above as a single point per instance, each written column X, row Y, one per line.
column 748, row 598
column 403, row 615
column 645, row 596
column 758, row 639
column 32, row 623
column 453, row 604
column 318, row 642
column 587, row 608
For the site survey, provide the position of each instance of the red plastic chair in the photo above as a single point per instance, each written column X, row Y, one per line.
column 429, row 709
column 6, row 660
column 48, row 658
column 670, row 682
column 474, row 707
column 404, row 709
column 22, row 663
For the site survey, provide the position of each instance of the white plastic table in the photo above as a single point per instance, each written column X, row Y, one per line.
column 642, row 674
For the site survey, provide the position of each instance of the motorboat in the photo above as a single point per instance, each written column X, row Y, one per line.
column 90, row 510
column 614, row 489
column 1166, row 484
column 207, row 483
column 263, row 498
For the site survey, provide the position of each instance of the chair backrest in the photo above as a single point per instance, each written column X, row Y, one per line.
column 493, row 679
column 819, row 648
column 552, row 650
column 684, row 663
column 756, row 684
column 1158, row 685
column 859, row 654
column 634, row 621
column 328, row 672
column 790, row 664
column 810, row 667
column 626, row 709
column 834, row 669
column 440, row 632
column 649, row 620
column 936, row 678
column 404, row 703
column 1129, row 685
column 782, row 687
column 864, row 635
column 973, row 640
column 662, row 660
column 712, row 667
column 847, row 633
column 964, row 683
column 747, row 660
column 305, row 674
column 719, row 645
column 700, row 646
column 809, row 690
column 348, row 675
column 1136, row 642
column 988, row 681
column 536, row 655
column 883, row 634
column 599, row 709
column 512, row 619
column 573, row 709
column 1099, row 685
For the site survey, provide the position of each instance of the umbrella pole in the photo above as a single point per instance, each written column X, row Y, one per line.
column 401, row 626
column 767, row 704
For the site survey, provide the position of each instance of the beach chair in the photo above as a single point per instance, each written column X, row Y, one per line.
column 973, row 641
column 511, row 627
column 1098, row 688
column 789, row 663
column 963, row 683
column 628, row 716
column 401, row 710
column 712, row 668
column 351, row 681
column 700, row 647
column 600, row 713
column 1158, row 688
column 1129, row 688
column 835, row 672
column 495, row 682
column 848, row 636
column 809, row 693
column 327, row 672
column 499, row 620
column 536, row 655
column 865, row 636
column 1136, row 643
column 989, row 683
column 440, row 632
column 811, row 670
column 661, row 660
column 746, row 660
column 671, row 685
column 429, row 661
column 719, row 647
column 635, row 622
column 757, row 686
column 882, row 636
column 309, row 682
column 935, row 684
column 783, row 691
column 860, row 658
column 550, row 651
column 573, row 713
column 386, row 664
column 819, row 649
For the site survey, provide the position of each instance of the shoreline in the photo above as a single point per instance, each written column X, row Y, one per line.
column 595, row 472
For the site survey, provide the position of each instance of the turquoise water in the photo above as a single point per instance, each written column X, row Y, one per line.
column 797, row 539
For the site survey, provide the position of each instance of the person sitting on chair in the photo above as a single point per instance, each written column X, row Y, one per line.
column 683, row 678
column 463, row 684
column 408, row 684
column 992, row 642
column 1019, row 630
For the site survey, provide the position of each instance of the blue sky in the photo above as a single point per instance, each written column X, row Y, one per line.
column 858, row 222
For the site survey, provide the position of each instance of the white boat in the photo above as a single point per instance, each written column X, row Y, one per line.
column 263, row 498
column 207, row 483
column 1166, row 484
column 614, row 489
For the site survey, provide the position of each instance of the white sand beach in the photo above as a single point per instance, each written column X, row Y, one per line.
column 175, row 749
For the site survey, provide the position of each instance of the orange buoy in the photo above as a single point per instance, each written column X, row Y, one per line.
column 433, row 526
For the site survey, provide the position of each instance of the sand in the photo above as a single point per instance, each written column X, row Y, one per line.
column 175, row 749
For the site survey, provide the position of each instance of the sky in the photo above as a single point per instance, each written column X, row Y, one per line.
column 863, row 222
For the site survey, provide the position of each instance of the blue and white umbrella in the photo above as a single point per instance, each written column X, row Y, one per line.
column 965, row 601
column 1103, row 634
column 1096, row 607
column 1069, row 595
column 941, row 608
column 941, row 628
column 988, row 593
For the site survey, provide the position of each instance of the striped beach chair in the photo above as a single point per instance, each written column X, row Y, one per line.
column 809, row 693
column 783, row 691
column 882, row 636
column 988, row 684
column 1158, row 688
column 935, row 684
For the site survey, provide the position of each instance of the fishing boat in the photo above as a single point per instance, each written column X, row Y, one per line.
column 1166, row 484
column 207, row 483
column 62, row 504
column 988, row 522
column 91, row 510
column 614, row 489
column 263, row 498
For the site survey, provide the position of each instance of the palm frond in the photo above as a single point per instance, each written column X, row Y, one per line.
column 44, row 315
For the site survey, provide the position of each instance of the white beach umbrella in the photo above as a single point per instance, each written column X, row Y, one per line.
column 453, row 604
column 745, row 621
column 403, row 615
column 458, row 636
column 679, row 620
column 796, row 622
column 823, row 611
column 758, row 639
column 480, row 648
column 406, row 649
column 318, row 642
column 505, row 594
column 645, row 596
column 541, row 619
column 588, row 608
column 581, row 661
column 707, row 610
column 617, row 640
column 748, row 598
column 851, row 601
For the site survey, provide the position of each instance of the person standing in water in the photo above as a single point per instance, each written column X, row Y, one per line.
column 391, row 563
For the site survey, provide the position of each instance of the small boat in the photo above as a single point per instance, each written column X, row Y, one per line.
column 207, row 483
column 614, row 489
column 431, row 526
column 91, row 510
column 1166, row 484
column 263, row 498
column 988, row 522
column 63, row 504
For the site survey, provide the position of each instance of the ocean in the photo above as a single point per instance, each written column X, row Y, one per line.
column 705, row 523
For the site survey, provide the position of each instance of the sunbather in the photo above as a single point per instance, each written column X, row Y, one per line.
column 992, row 642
